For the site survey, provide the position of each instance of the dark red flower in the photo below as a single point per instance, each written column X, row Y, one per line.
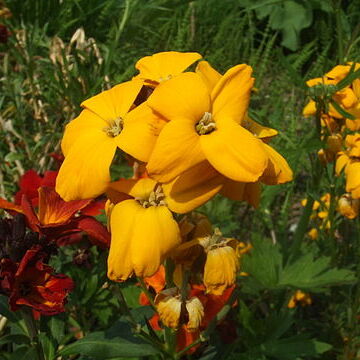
column 60, row 220
column 30, row 182
column 33, row 283
column 4, row 34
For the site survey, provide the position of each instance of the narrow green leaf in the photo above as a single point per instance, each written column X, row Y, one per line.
column 341, row 111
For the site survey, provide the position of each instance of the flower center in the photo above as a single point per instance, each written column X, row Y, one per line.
column 115, row 127
column 214, row 241
column 206, row 125
column 156, row 198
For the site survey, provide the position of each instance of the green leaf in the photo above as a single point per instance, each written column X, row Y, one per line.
column 341, row 111
column 18, row 339
column 308, row 273
column 13, row 156
column 296, row 346
column 265, row 266
column 5, row 311
column 263, row 263
column 116, row 342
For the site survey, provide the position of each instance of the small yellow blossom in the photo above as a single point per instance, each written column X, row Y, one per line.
column 301, row 298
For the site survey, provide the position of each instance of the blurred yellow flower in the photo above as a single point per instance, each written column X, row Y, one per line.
column 299, row 298
column 348, row 207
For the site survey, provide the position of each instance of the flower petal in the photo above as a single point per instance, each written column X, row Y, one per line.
column 255, row 128
column 122, row 224
column 141, row 130
column 86, row 122
column 193, row 188
column 341, row 162
column 116, row 102
column 240, row 191
column 185, row 96
column 162, row 66
column 54, row 210
column 208, row 74
column 353, row 178
column 278, row 170
column 137, row 188
column 85, row 171
column 231, row 94
column 155, row 234
column 235, row 152
column 177, row 150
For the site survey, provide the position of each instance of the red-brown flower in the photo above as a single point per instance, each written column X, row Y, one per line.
column 59, row 220
column 33, row 283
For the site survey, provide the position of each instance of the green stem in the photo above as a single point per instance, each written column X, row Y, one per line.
column 135, row 325
column 147, row 292
column 33, row 332
column 339, row 32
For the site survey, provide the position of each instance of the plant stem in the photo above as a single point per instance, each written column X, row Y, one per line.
column 339, row 32
column 33, row 332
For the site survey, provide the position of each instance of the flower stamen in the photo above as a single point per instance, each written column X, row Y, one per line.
column 156, row 198
column 115, row 127
column 206, row 125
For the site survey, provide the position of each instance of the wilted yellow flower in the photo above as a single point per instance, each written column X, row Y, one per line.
column 221, row 264
column 301, row 298
column 348, row 207
column 170, row 307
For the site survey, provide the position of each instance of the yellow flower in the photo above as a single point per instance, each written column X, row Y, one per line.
column 313, row 234
column 171, row 310
column 221, row 264
column 348, row 207
column 90, row 141
column 348, row 97
column 200, row 130
column 143, row 231
column 163, row 66
column 301, row 298
column 349, row 161
column 204, row 124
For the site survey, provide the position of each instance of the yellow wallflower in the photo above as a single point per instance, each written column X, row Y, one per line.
column 200, row 130
column 143, row 231
column 90, row 141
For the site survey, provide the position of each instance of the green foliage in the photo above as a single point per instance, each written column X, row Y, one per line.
column 288, row 16
column 309, row 272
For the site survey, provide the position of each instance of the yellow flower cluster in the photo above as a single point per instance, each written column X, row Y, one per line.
column 190, row 138
column 341, row 146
